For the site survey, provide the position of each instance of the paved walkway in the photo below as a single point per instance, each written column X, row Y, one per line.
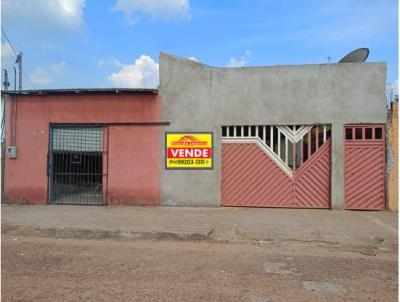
column 340, row 228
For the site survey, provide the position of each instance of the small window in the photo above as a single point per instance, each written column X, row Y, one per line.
column 224, row 131
column 368, row 133
column 268, row 133
column 358, row 133
column 246, row 131
column 238, row 131
column 253, row 130
column 260, row 131
column 378, row 133
column 230, row 130
column 349, row 133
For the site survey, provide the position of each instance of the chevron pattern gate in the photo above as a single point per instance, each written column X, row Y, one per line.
column 365, row 167
column 276, row 166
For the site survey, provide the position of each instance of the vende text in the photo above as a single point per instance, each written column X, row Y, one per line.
column 189, row 153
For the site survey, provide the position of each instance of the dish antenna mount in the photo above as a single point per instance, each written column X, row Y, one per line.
column 356, row 56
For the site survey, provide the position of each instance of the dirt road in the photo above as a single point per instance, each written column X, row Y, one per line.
column 45, row 269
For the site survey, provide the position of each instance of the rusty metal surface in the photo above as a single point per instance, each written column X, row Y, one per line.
column 364, row 170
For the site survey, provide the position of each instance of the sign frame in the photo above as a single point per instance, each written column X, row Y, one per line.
column 188, row 132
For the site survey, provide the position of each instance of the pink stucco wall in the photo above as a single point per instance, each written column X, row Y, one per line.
column 134, row 165
column 133, row 155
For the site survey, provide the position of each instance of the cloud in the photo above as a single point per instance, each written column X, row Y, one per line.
column 113, row 62
column 48, row 74
column 242, row 61
column 347, row 23
column 41, row 76
column 157, row 9
column 57, row 67
column 43, row 16
column 143, row 73
column 193, row 59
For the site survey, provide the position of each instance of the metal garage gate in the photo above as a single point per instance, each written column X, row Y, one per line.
column 76, row 157
column 365, row 167
column 276, row 166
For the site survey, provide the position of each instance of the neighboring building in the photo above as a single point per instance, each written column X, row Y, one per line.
column 306, row 136
column 84, row 146
column 393, row 156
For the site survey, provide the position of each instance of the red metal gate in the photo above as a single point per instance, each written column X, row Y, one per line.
column 276, row 166
column 365, row 167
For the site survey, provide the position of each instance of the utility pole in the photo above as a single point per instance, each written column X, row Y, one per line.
column 15, row 78
column 6, row 83
column 19, row 62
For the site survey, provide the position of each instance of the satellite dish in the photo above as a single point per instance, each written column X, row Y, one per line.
column 356, row 56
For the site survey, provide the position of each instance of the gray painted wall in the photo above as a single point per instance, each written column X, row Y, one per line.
column 196, row 97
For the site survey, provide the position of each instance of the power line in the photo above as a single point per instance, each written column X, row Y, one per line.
column 9, row 43
column 16, row 55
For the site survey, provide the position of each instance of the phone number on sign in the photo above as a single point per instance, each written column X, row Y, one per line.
column 187, row 161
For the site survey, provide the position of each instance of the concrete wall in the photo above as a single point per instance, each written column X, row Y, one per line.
column 133, row 156
column 196, row 97
column 393, row 158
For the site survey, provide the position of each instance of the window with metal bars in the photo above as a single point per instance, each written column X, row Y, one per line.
column 364, row 132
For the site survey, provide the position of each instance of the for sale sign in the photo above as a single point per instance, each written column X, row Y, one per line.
column 189, row 150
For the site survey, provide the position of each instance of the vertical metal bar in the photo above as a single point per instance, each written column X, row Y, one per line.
column 316, row 137
column 264, row 134
column 324, row 133
column 363, row 133
column 272, row 137
column 373, row 132
column 85, row 169
column 294, row 160
column 234, row 131
column 309, row 143
column 104, row 159
column 256, row 131
column 353, row 131
column 242, row 132
column 279, row 143
column 301, row 151
column 286, row 150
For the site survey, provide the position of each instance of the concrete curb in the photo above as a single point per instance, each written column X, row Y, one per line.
column 208, row 235
column 78, row 233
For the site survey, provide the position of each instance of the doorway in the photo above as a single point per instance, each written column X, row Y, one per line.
column 76, row 165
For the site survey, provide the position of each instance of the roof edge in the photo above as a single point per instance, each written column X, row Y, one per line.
column 77, row 91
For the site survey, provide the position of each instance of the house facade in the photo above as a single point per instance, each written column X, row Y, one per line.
column 304, row 136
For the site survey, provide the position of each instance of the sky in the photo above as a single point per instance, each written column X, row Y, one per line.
column 116, row 43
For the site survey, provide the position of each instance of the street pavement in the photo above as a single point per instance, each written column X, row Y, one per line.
column 55, row 270
column 86, row 253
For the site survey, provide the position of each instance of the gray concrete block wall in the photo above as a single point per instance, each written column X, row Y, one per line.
column 196, row 97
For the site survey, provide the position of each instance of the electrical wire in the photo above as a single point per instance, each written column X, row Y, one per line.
column 29, row 79
column 8, row 41
column 16, row 55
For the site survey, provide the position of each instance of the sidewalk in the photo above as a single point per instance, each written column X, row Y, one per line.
column 351, row 229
